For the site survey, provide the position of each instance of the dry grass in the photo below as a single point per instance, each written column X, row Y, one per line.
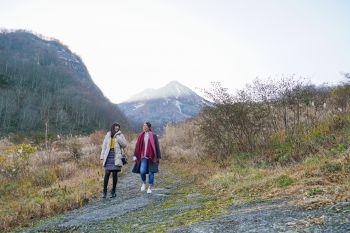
column 64, row 177
column 196, row 171
column 299, row 180
column 310, row 184
column 317, row 180
column 182, row 142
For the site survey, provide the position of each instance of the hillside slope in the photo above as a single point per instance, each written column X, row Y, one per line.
column 42, row 81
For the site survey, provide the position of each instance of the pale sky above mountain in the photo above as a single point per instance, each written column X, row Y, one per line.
column 129, row 46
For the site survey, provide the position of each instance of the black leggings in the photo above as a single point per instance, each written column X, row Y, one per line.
column 115, row 180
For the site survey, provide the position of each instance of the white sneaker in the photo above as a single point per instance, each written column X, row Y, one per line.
column 149, row 191
column 143, row 187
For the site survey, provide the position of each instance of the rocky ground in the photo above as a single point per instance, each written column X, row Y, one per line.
column 276, row 216
column 177, row 206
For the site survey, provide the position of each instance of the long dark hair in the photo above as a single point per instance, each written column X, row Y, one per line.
column 113, row 132
column 149, row 125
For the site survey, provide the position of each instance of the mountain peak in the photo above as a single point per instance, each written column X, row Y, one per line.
column 173, row 102
column 172, row 89
column 174, row 83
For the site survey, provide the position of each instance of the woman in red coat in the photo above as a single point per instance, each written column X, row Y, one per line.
column 147, row 155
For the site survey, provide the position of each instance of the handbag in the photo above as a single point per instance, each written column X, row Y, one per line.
column 124, row 157
column 136, row 168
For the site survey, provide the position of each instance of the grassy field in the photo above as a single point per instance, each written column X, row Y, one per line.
column 36, row 183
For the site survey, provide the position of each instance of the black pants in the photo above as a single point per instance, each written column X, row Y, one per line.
column 115, row 180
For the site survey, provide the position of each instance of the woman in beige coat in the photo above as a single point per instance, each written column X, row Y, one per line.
column 112, row 149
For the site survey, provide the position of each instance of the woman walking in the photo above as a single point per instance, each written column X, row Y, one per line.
column 147, row 155
column 113, row 145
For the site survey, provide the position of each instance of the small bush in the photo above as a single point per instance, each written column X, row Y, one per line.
column 283, row 181
column 340, row 122
column 239, row 169
column 8, row 187
column 23, row 151
column 331, row 167
column 258, row 175
column 315, row 191
column 244, row 155
column 66, row 170
column 45, row 177
column 312, row 160
column 320, row 130
column 15, row 159
column 75, row 150
column 341, row 147
column 225, row 181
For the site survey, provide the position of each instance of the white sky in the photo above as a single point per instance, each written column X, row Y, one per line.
column 132, row 45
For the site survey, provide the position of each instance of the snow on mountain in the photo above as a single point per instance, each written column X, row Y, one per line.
column 172, row 103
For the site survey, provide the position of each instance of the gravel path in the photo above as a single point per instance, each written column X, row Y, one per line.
column 129, row 199
column 276, row 216
column 170, row 209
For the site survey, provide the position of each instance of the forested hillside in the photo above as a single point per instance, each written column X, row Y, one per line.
column 44, row 85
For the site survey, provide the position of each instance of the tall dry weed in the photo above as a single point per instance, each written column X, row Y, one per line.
column 181, row 141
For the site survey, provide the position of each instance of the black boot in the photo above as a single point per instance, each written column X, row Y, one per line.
column 115, row 180
column 105, row 184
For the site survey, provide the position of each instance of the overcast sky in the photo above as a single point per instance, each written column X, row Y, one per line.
column 129, row 45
